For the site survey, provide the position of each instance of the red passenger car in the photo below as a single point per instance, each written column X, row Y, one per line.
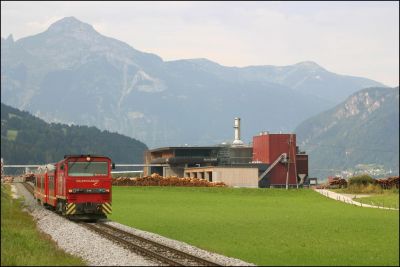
column 79, row 186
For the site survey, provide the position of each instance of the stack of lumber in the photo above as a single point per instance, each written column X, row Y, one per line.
column 7, row 179
column 157, row 180
column 337, row 182
column 389, row 182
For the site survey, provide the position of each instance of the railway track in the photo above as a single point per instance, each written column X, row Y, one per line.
column 144, row 246
column 28, row 187
column 148, row 247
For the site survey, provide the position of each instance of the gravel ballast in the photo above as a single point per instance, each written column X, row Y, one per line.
column 98, row 251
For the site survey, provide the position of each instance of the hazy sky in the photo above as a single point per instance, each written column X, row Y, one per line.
column 353, row 38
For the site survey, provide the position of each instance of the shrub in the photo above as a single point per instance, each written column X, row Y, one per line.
column 361, row 180
column 395, row 190
column 371, row 189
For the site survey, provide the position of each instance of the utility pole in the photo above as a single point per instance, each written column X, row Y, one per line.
column 294, row 162
column 288, row 162
column 287, row 175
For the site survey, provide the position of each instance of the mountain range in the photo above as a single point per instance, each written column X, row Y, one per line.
column 360, row 134
column 72, row 74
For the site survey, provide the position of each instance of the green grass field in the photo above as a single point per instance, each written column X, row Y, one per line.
column 264, row 226
column 22, row 244
column 379, row 197
column 388, row 199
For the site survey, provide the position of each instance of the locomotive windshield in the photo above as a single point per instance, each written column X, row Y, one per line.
column 90, row 168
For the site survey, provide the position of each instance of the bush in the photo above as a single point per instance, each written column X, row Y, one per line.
column 361, row 180
column 364, row 189
column 395, row 190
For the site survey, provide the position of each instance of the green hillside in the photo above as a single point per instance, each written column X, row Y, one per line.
column 360, row 135
column 26, row 139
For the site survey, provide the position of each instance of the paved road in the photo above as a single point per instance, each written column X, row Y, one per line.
column 347, row 199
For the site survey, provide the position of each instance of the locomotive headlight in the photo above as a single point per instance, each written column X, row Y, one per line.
column 69, row 190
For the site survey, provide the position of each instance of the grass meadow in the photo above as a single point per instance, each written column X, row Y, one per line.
column 378, row 196
column 264, row 226
column 388, row 199
column 22, row 244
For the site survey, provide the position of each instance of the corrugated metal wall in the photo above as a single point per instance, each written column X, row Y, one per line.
column 268, row 147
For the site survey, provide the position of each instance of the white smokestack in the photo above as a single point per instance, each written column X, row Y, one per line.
column 236, row 126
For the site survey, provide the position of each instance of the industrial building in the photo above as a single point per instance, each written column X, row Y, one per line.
column 231, row 175
column 273, row 160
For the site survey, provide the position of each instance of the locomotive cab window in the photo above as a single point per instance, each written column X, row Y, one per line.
column 88, row 168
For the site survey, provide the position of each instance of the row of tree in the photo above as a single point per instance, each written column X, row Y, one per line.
column 26, row 139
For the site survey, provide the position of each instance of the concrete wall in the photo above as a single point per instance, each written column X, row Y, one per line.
column 234, row 177
column 173, row 171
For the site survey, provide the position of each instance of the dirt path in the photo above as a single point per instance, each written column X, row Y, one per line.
column 353, row 196
column 347, row 199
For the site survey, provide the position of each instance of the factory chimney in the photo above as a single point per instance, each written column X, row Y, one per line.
column 236, row 126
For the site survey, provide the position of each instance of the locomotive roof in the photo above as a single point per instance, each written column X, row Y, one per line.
column 84, row 155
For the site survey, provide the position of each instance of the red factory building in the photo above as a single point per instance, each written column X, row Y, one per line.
column 287, row 165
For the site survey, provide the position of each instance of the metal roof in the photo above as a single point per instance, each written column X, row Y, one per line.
column 182, row 147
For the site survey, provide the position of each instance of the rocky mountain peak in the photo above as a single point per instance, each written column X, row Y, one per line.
column 362, row 103
column 10, row 39
column 7, row 43
column 113, row 86
column 309, row 65
column 71, row 25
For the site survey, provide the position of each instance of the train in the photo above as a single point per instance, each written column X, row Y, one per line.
column 77, row 187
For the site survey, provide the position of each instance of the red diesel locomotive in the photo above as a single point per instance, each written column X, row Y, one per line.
column 79, row 186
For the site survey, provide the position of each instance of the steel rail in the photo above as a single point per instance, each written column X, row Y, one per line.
column 149, row 247
column 130, row 245
column 28, row 187
column 175, row 251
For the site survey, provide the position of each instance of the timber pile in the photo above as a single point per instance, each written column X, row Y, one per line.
column 389, row 182
column 8, row 179
column 157, row 180
column 337, row 182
